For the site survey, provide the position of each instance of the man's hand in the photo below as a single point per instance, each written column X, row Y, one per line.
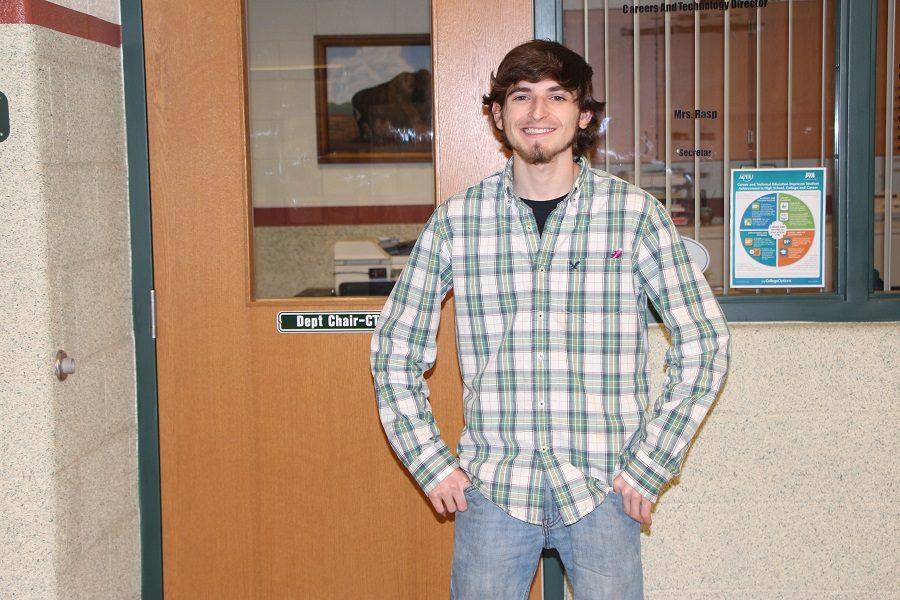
column 449, row 493
column 636, row 506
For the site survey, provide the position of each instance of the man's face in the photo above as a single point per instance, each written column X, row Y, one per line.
column 540, row 120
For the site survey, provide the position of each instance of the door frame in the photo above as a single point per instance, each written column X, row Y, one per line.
column 149, row 500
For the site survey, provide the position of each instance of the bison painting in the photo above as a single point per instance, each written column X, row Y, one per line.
column 396, row 111
column 374, row 98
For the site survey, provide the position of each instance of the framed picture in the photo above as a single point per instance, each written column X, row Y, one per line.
column 373, row 98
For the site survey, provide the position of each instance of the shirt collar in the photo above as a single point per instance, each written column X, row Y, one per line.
column 507, row 179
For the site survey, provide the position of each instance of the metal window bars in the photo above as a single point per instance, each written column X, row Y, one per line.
column 758, row 77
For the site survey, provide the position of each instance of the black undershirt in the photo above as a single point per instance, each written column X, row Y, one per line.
column 542, row 210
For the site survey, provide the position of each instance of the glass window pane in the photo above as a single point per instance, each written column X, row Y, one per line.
column 886, row 249
column 340, row 128
column 682, row 159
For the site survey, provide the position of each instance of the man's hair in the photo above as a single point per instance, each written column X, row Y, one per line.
column 538, row 60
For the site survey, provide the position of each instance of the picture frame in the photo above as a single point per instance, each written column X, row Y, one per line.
column 373, row 98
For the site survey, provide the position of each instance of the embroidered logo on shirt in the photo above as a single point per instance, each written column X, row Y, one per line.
column 616, row 253
column 574, row 265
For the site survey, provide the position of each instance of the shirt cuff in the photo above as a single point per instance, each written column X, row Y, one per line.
column 434, row 465
column 645, row 475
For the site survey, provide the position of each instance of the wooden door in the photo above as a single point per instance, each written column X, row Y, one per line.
column 276, row 478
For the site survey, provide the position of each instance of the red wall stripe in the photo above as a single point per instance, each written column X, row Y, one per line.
column 62, row 19
column 341, row 215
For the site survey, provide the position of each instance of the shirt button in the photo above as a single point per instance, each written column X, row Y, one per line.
column 541, row 403
column 540, row 315
column 540, row 356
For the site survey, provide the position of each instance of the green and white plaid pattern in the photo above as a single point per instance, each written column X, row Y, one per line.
column 552, row 336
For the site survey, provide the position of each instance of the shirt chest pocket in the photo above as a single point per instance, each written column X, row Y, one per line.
column 602, row 299
column 598, row 289
column 595, row 289
column 604, row 280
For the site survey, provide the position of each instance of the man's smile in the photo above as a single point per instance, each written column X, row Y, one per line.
column 538, row 131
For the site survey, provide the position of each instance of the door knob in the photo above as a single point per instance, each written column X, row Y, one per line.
column 64, row 366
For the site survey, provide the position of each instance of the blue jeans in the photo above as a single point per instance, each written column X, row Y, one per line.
column 495, row 556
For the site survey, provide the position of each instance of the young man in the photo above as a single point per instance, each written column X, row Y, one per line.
column 551, row 263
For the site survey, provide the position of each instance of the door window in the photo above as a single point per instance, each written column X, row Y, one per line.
column 340, row 129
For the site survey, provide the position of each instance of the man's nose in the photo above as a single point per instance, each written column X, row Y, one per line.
column 537, row 108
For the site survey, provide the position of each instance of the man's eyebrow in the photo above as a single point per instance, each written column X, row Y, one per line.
column 525, row 88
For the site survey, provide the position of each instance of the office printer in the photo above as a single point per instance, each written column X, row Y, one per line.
column 369, row 267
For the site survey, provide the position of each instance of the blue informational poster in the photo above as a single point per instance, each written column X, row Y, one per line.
column 777, row 228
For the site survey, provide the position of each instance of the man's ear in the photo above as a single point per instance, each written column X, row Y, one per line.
column 497, row 112
column 585, row 118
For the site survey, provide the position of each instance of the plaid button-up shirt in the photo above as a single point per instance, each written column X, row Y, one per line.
column 551, row 333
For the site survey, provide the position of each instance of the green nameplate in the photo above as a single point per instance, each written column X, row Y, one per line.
column 323, row 322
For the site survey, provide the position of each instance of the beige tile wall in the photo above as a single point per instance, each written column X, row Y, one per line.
column 69, row 525
column 108, row 10
column 790, row 490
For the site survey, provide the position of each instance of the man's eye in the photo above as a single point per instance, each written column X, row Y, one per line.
column 519, row 97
